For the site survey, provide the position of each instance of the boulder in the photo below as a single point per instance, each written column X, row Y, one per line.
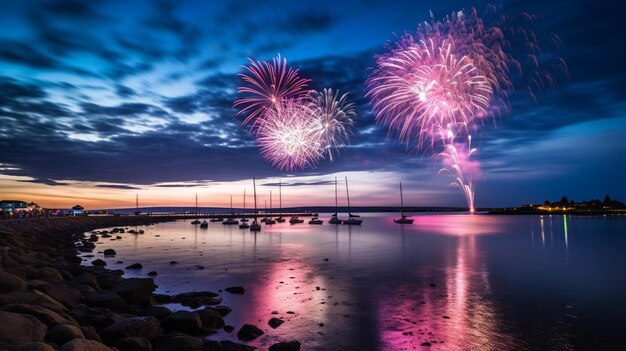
column 51, row 275
column 181, row 342
column 10, row 282
column 249, row 332
column 90, row 334
column 197, row 299
column 134, row 343
column 84, row 345
column 236, row 290
column 286, row 346
column 32, row 346
column 153, row 273
column 134, row 289
column 109, row 252
column 135, row 266
column 275, row 322
column 147, row 327
column 223, row 310
column 211, row 318
column 228, row 345
column 107, row 299
column 182, row 321
column 98, row 263
column 62, row 333
column 17, row 329
column 46, row 316
column 64, row 294
column 158, row 312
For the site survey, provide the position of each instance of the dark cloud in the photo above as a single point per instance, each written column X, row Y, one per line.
column 117, row 186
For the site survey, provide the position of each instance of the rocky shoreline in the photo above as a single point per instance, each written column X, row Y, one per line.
column 49, row 301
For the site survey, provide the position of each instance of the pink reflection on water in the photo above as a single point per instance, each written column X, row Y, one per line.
column 456, row 314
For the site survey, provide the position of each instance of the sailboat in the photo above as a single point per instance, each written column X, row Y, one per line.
column 231, row 219
column 334, row 219
column 352, row 217
column 280, row 218
column 244, row 219
column 255, row 226
column 316, row 220
column 197, row 221
column 404, row 219
column 269, row 220
column 204, row 224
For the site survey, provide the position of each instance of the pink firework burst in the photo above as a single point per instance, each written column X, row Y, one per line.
column 289, row 135
column 266, row 84
column 420, row 86
column 335, row 116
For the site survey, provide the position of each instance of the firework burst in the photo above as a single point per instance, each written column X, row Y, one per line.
column 289, row 136
column 335, row 118
column 266, row 84
column 420, row 86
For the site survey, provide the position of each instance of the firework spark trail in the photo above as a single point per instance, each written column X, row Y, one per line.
column 420, row 86
column 335, row 116
column 456, row 159
column 265, row 85
column 289, row 137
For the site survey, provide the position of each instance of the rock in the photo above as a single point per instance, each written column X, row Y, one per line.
column 426, row 343
column 158, row 312
column 223, row 310
column 211, row 345
column 98, row 263
column 89, row 279
column 134, row 289
column 134, row 344
column 46, row 316
column 181, row 342
column 32, row 346
column 147, row 327
column 107, row 299
column 286, row 346
column 173, row 263
column 10, row 282
column 64, row 294
column 109, row 252
column 182, row 321
column 135, row 266
column 228, row 345
column 197, row 299
column 229, row 328
column 152, row 274
column 51, row 275
column 90, row 334
column 84, row 345
column 16, row 328
column 236, row 290
column 62, row 333
column 211, row 318
column 275, row 322
column 249, row 332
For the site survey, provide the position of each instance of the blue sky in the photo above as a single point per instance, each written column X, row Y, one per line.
column 105, row 99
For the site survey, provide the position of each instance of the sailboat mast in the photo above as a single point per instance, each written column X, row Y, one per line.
column 244, row 201
column 336, row 202
column 401, row 201
column 231, row 206
column 270, row 202
column 280, row 197
column 196, row 205
column 254, row 185
column 348, row 195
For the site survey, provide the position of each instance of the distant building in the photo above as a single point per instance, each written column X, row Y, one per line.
column 13, row 206
column 77, row 210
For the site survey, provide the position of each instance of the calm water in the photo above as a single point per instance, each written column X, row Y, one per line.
column 500, row 282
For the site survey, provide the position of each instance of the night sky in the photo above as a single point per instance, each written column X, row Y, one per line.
column 102, row 100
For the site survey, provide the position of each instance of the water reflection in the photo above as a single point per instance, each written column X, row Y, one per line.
column 457, row 282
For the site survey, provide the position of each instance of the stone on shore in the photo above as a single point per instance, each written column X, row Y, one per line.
column 236, row 290
column 197, row 299
column 64, row 294
column 44, row 315
column 10, row 282
column 32, row 346
column 62, row 333
column 107, row 299
column 98, row 263
column 134, row 343
column 286, row 346
column 228, row 345
column 182, row 321
column 275, row 322
column 135, row 266
column 84, row 345
column 147, row 327
column 17, row 328
column 109, row 252
column 249, row 332
column 181, row 342
column 134, row 289
column 211, row 318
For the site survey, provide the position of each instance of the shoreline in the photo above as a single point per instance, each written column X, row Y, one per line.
column 50, row 301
